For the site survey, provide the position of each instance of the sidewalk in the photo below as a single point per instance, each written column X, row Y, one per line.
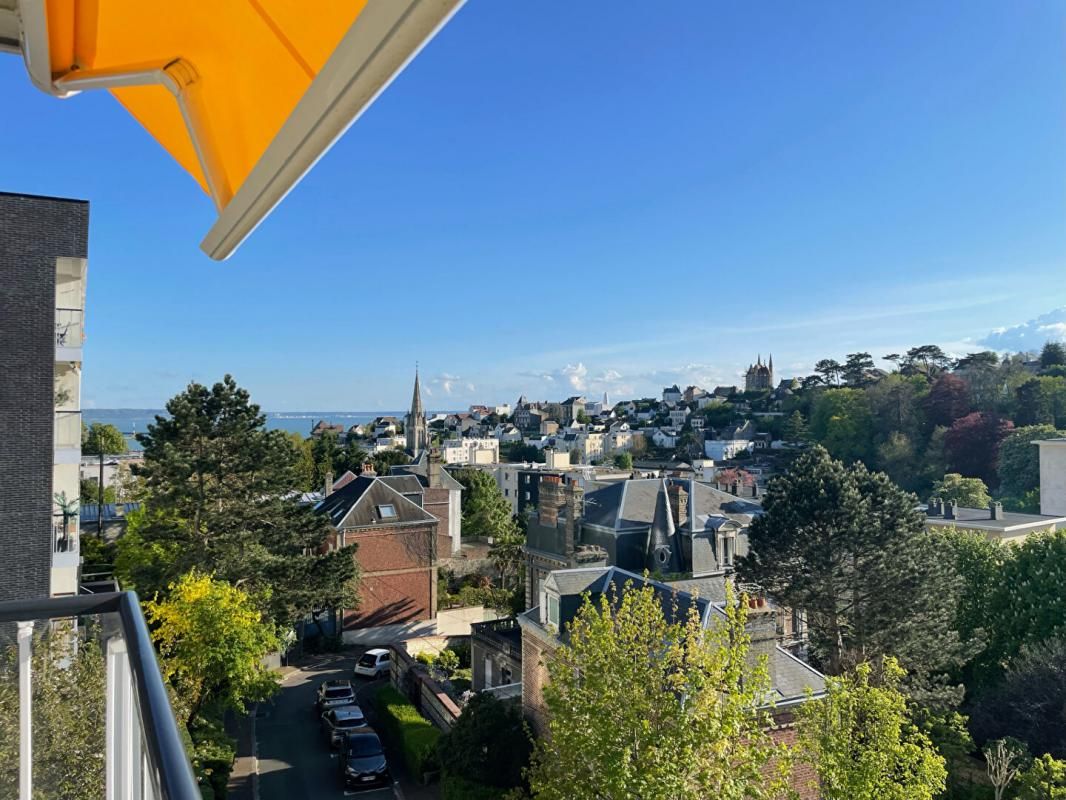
column 241, row 785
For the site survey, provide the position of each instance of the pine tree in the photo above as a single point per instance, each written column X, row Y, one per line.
column 848, row 547
column 221, row 499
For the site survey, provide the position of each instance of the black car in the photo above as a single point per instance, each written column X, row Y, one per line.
column 363, row 764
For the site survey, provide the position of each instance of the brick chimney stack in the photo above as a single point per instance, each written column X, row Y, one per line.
column 761, row 627
column 433, row 476
column 678, row 504
column 368, row 470
column 551, row 499
column 996, row 510
column 574, row 496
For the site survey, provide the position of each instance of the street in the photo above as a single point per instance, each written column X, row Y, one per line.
column 295, row 763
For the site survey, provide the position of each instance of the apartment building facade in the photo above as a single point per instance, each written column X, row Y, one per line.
column 43, row 261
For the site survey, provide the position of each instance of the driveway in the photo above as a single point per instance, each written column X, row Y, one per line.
column 294, row 761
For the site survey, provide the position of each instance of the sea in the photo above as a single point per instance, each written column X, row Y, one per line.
column 132, row 421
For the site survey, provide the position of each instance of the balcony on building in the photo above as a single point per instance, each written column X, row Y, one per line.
column 70, row 308
column 68, row 438
column 496, row 654
column 144, row 757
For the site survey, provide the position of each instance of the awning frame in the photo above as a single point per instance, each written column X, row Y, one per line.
column 384, row 38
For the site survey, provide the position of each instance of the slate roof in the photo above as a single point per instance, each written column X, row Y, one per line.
column 632, row 504
column 344, row 480
column 420, row 469
column 356, row 505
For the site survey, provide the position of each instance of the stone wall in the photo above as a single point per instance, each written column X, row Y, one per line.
column 414, row 681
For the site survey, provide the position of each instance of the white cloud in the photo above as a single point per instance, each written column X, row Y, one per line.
column 575, row 376
column 448, row 383
column 1031, row 335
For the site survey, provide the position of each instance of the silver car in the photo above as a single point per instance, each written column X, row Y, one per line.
column 337, row 723
column 333, row 694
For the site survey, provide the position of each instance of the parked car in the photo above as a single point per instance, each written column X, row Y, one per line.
column 338, row 722
column 363, row 764
column 373, row 663
column 332, row 694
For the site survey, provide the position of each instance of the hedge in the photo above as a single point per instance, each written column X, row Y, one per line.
column 452, row 787
column 410, row 731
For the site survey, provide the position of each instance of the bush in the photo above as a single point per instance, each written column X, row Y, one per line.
column 412, row 733
column 488, row 746
column 427, row 657
column 453, row 787
column 462, row 649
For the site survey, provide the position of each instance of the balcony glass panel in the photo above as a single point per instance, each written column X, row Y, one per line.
column 68, row 429
column 69, row 327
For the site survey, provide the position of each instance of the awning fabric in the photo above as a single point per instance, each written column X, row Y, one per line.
column 244, row 94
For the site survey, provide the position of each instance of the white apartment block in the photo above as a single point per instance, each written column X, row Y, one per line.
column 470, row 451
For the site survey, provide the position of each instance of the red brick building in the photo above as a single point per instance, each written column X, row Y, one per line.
column 397, row 545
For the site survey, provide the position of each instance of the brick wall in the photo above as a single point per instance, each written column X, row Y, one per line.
column 34, row 231
column 435, row 501
column 804, row 777
column 399, row 575
column 534, row 677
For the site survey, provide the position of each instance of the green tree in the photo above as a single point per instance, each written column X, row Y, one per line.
column 863, row 743
column 623, row 461
column 68, row 715
column 897, row 459
column 220, row 499
column 796, row 428
column 486, row 511
column 829, row 370
column 387, row 459
column 642, row 703
column 848, row 547
column 488, row 745
column 1019, row 459
column 1044, row 780
column 212, row 640
column 1041, row 401
column 857, row 368
column 926, row 360
column 101, row 438
column 967, row 492
column 506, row 552
column 1053, row 355
column 840, row 421
column 303, row 463
column 90, row 492
column 324, row 453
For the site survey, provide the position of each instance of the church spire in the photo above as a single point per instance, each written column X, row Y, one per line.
column 415, row 423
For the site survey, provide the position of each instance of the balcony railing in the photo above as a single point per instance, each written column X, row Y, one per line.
column 143, row 752
column 69, row 327
column 68, row 429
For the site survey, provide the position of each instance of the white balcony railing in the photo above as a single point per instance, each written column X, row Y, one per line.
column 144, row 758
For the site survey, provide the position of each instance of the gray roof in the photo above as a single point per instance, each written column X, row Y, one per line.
column 981, row 519
column 357, row 505
column 420, row 469
column 632, row 504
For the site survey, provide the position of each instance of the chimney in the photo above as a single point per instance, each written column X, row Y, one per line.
column 754, row 488
column 935, row 508
column 551, row 499
column 433, row 477
column 734, row 488
column 951, row 510
column 328, row 489
column 678, row 504
column 368, row 470
column 996, row 509
column 692, row 506
column 574, row 495
column 761, row 627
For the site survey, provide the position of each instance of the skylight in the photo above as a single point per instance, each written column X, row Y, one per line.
column 387, row 511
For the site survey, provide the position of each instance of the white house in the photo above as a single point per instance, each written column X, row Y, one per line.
column 470, row 451
column 678, row 417
column 664, row 437
column 672, row 394
column 730, row 441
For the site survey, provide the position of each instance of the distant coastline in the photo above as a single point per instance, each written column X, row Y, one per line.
column 132, row 421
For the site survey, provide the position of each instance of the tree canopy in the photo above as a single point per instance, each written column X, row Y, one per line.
column 848, row 547
column 221, row 498
column 862, row 741
column 639, row 705
column 101, row 438
column 967, row 492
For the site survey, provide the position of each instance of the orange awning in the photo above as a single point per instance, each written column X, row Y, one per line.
column 245, row 94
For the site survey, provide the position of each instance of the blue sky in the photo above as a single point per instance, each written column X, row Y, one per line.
column 560, row 197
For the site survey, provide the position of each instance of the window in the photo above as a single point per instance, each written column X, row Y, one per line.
column 387, row 511
column 527, row 495
column 553, row 610
column 505, row 676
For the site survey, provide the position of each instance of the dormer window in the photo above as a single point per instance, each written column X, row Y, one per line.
column 387, row 511
column 553, row 610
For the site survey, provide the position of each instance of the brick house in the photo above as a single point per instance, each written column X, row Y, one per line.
column 397, row 552
column 543, row 629
column 427, row 483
